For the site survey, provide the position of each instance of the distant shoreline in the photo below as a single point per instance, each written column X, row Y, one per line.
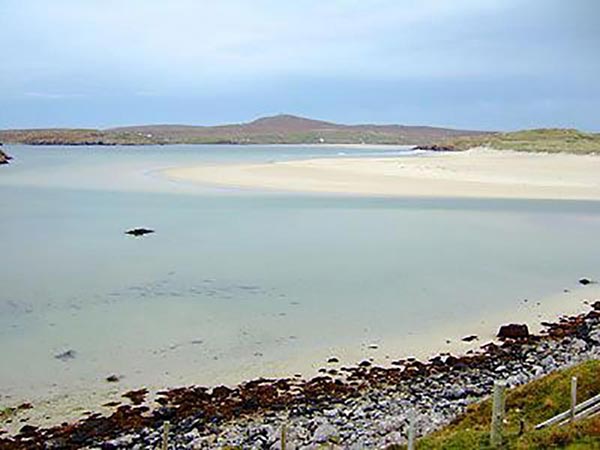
column 479, row 173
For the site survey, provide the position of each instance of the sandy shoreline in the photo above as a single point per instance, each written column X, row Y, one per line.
column 477, row 173
column 445, row 339
column 438, row 389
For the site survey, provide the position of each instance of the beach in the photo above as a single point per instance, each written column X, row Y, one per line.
column 477, row 173
column 247, row 281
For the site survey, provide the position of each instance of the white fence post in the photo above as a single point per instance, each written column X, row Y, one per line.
column 497, row 414
column 411, row 429
column 573, row 398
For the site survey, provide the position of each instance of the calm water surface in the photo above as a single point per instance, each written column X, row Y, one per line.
column 237, row 284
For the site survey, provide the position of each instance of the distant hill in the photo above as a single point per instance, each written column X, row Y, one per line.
column 551, row 140
column 280, row 129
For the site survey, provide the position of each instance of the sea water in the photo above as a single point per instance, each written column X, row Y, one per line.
column 237, row 284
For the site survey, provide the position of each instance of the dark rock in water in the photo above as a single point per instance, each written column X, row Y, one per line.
column 333, row 360
column 596, row 305
column 435, row 148
column 65, row 356
column 113, row 378
column 139, row 231
column 585, row 281
column 513, row 331
column 364, row 364
column 470, row 338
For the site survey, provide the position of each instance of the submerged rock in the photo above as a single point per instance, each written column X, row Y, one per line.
column 66, row 356
column 139, row 231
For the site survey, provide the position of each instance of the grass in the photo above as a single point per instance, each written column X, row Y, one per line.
column 526, row 406
column 551, row 140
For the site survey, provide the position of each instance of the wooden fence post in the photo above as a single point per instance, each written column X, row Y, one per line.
column 497, row 414
column 411, row 429
column 573, row 398
column 283, row 436
column 165, row 437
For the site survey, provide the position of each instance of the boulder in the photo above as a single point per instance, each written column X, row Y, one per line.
column 585, row 281
column 513, row 331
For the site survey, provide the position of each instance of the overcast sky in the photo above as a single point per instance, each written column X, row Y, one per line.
column 482, row 64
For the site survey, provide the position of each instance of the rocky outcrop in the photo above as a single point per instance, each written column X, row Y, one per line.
column 4, row 158
column 435, row 148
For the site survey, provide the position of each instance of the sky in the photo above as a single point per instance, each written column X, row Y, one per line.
column 476, row 64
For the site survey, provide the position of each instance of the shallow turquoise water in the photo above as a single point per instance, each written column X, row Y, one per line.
column 238, row 283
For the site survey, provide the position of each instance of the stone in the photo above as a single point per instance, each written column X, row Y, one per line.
column 579, row 344
column 513, row 331
column 585, row 281
column 548, row 362
column 594, row 336
column 324, row 433
column 470, row 338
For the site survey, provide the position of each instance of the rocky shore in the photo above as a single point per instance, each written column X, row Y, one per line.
column 4, row 158
column 353, row 407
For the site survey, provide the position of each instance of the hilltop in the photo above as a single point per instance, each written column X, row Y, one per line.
column 279, row 129
column 551, row 140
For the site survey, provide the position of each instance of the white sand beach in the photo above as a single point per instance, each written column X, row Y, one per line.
column 479, row 173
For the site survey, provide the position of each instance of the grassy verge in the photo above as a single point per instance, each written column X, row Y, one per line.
column 540, row 140
column 526, row 406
